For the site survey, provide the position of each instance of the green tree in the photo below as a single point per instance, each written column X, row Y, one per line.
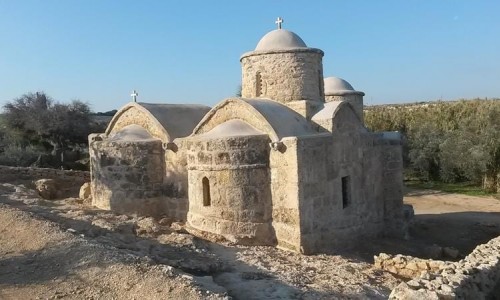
column 34, row 125
column 36, row 118
column 449, row 141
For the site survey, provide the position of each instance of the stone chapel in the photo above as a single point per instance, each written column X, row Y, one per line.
column 289, row 164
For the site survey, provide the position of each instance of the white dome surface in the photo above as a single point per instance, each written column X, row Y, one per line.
column 280, row 39
column 132, row 133
column 232, row 128
column 335, row 84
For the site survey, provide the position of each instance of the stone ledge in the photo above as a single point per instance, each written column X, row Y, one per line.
column 276, row 51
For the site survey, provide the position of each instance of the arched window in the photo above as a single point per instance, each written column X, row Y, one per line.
column 258, row 85
column 206, row 191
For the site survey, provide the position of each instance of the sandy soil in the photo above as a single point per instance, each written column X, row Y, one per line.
column 67, row 249
column 452, row 220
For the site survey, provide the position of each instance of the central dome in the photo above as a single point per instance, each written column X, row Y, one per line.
column 280, row 39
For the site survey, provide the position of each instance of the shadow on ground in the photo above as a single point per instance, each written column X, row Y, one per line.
column 200, row 258
column 242, row 281
column 460, row 230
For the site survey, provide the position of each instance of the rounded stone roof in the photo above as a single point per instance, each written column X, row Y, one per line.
column 263, row 115
column 231, row 128
column 333, row 84
column 280, row 39
column 338, row 86
column 164, row 121
column 132, row 133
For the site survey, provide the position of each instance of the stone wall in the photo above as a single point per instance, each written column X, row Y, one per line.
column 127, row 177
column 338, row 117
column 8, row 174
column 307, row 108
column 391, row 187
column 285, row 76
column 137, row 116
column 356, row 101
column 174, row 188
column 175, row 179
column 475, row 277
column 183, row 119
column 285, row 194
column 229, row 188
column 350, row 185
column 68, row 182
column 338, row 204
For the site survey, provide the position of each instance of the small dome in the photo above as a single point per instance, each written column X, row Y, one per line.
column 335, row 84
column 132, row 133
column 280, row 39
column 232, row 128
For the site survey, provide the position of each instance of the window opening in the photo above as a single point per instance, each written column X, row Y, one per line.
column 346, row 191
column 206, row 191
column 258, row 85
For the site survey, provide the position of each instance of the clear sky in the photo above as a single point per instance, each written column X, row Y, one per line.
column 188, row 51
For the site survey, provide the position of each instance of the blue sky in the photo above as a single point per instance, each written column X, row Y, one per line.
column 188, row 51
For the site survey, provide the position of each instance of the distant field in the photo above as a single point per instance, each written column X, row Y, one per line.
column 419, row 104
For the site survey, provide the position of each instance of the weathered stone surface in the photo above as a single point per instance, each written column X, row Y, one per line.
column 128, row 176
column 261, row 170
column 283, row 76
column 407, row 266
column 434, row 251
column 47, row 188
column 147, row 225
column 355, row 100
column 178, row 227
column 404, row 292
column 234, row 199
column 451, row 252
column 165, row 221
column 475, row 277
column 85, row 191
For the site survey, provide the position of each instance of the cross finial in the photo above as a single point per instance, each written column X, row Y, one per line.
column 278, row 21
column 134, row 95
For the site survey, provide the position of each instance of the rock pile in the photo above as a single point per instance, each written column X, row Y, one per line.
column 474, row 277
column 85, row 191
column 47, row 188
column 407, row 266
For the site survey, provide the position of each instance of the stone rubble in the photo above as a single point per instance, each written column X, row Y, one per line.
column 407, row 266
column 47, row 188
column 85, row 191
column 475, row 277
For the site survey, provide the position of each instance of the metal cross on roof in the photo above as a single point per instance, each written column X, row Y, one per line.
column 278, row 21
column 134, row 96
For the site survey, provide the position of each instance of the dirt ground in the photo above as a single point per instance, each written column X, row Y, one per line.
column 452, row 220
column 66, row 249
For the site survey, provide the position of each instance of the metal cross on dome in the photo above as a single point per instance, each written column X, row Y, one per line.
column 278, row 21
column 134, row 96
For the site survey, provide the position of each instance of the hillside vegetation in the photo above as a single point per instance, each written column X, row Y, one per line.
column 39, row 131
column 457, row 141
